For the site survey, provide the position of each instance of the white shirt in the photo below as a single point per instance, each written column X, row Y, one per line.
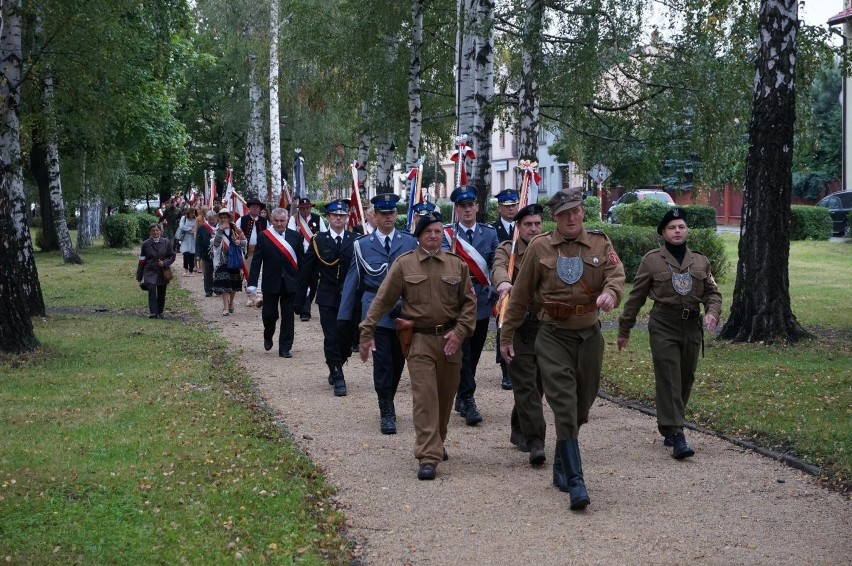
column 507, row 225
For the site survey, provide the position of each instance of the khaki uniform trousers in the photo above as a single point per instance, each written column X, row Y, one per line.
column 527, row 389
column 434, row 382
column 675, row 345
column 570, row 364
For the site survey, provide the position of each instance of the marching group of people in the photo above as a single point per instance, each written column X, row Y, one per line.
column 426, row 299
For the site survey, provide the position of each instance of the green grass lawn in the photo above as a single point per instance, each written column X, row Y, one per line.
column 794, row 399
column 137, row 441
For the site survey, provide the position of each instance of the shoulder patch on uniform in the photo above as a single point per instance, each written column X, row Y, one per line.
column 613, row 258
column 595, row 231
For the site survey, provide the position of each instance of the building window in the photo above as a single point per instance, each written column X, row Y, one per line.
column 503, row 139
column 502, row 184
column 542, row 136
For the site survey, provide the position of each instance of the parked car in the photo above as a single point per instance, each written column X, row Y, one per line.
column 635, row 196
column 839, row 205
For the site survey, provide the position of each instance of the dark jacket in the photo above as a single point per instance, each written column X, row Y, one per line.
column 202, row 241
column 502, row 233
column 279, row 275
column 149, row 271
column 323, row 259
column 247, row 225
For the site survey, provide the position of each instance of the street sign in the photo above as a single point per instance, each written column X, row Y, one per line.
column 599, row 173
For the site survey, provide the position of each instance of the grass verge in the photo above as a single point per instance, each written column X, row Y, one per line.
column 129, row 440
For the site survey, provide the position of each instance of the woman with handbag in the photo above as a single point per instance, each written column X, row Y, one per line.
column 154, row 270
column 186, row 234
column 228, row 248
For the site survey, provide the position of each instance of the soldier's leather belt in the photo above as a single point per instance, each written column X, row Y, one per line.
column 683, row 314
column 563, row 311
column 435, row 330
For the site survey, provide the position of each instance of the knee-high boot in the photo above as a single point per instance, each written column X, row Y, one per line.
column 560, row 480
column 569, row 452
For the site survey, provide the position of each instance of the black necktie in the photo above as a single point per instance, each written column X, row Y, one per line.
column 337, row 240
column 387, row 245
column 469, row 233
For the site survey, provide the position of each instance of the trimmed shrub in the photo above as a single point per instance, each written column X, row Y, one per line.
column 647, row 212
column 631, row 243
column 810, row 223
column 700, row 216
column 144, row 221
column 120, row 230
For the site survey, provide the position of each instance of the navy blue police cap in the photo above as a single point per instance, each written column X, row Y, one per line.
column 422, row 208
column 466, row 193
column 508, row 197
column 385, row 202
column 339, row 206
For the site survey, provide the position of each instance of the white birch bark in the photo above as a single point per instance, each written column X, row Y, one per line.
column 274, row 115
column 528, row 94
column 69, row 255
column 255, row 160
column 84, row 232
column 384, row 164
column 484, row 119
column 364, row 151
column 466, row 80
column 415, row 109
column 11, row 164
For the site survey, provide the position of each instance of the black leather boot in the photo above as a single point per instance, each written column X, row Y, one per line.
column 507, row 382
column 680, row 448
column 461, row 405
column 471, row 416
column 569, row 453
column 387, row 420
column 560, row 480
column 331, row 373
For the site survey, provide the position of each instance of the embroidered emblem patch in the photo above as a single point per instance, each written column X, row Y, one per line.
column 613, row 258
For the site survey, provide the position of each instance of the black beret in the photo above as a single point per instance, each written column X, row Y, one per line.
column 674, row 213
column 527, row 210
column 425, row 220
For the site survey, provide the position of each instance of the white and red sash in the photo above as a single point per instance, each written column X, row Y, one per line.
column 207, row 227
column 471, row 256
column 283, row 246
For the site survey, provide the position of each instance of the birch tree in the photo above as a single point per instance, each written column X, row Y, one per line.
column 466, row 68
column 760, row 310
column 484, row 98
column 255, row 161
column 415, row 108
column 274, row 114
column 528, row 93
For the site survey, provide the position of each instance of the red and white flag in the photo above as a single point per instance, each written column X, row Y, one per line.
column 234, row 202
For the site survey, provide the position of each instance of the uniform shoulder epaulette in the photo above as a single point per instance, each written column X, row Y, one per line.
column 652, row 252
column 448, row 252
column 484, row 225
column 595, row 231
column 402, row 255
column 696, row 252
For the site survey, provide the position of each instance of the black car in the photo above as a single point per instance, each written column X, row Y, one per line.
column 839, row 205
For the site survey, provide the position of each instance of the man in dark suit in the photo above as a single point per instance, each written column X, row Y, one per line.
column 476, row 244
column 307, row 223
column 279, row 252
column 507, row 208
column 327, row 261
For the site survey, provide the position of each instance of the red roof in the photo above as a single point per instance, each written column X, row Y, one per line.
column 840, row 17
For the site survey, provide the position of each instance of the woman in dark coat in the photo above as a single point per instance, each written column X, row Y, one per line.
column 157, row 255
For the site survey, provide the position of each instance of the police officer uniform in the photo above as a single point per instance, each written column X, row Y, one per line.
column 527, row 422
column 505, row 232
column 566, row 276
column 435, row 289
column 369, row 266
column 327, row 261
column 309, row 226
column 483, row 239
column 679, row 281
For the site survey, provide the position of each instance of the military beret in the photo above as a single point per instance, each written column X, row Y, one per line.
column 426, row 220
column 674, row 213
column 528, row 210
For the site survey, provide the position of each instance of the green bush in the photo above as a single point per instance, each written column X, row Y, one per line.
column 71, row 221
column 120, row 230
column 35, row 221
column 647, row 212
column 144, row 221
column 631, row 243
column 810, row 223
column 700, row 216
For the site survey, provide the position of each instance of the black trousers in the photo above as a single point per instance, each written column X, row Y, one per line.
column 331, row 337
column 189, row 261
column 388, row 363
column 471, row 351
column 156, row 298
column 269, row 313
column 207, row 266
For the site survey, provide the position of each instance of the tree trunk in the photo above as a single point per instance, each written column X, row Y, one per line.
column 38, row 167
column 528, row 93
column 274, row 189
column 484, row 121
column 255, row 161
column 16, row 325
column 466, row 71
column 11, row 161
column 57, row 204
column 364, row 152
column 84, row 233
column 384, row 164
column 760, row 310
column 415, row 109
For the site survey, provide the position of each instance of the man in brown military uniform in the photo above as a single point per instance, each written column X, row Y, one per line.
column 437, row 297
column 527, row 424
column 679, row 281
column 571, row 273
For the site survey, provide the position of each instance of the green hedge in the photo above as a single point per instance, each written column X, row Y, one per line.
column 647, row 212
column 120, row 230
column 810, row 223
column 144, row 221
column 633, row 242
column 700, row 216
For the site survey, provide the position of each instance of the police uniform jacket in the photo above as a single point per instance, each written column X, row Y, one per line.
column 247, row 224
column 502, row 233
column 330, row 263
column 538, row 281
column 363, row 281
column 654, row 279
column 279, row 275
column 486, row 242
column 435, row 290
